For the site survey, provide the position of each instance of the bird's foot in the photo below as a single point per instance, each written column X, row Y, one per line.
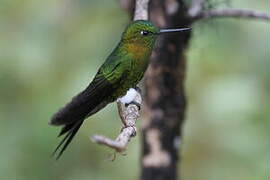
column 135, row 103
column 138, row 89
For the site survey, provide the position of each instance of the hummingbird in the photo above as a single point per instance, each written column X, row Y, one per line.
column 122, row 70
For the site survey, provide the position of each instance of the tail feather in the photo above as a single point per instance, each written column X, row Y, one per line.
column 67, row 139
column 65, row 129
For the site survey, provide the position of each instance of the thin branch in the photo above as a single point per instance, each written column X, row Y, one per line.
column 120, row 112
column 234, row 13
column 195, row 8
column 129, row 116
column 141, row 10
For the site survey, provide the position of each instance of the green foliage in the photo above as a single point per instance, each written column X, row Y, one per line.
column 50, row 50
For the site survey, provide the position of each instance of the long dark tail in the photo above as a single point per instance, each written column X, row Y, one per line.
column 71, row 127
column 71, row 116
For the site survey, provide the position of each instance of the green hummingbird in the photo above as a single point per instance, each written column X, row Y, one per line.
column 122, row 70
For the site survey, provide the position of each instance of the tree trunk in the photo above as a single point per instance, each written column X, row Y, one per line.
column 165, row 101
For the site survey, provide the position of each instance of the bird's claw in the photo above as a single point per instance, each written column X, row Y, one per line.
column 135, row 103
column 138, row 89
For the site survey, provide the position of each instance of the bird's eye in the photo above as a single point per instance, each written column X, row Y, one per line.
column 144, row 33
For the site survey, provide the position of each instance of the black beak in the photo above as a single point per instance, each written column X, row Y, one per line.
column 162, row 31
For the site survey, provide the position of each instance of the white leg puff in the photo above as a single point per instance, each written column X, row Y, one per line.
column 129, row 97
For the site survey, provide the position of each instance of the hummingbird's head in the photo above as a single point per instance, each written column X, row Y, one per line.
column 140, row 32
column 140, row 36
column 143, row 32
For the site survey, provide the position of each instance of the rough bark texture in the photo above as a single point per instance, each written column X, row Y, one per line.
column 165, row 100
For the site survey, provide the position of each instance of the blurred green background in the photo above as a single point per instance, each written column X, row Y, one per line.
column 50, row 50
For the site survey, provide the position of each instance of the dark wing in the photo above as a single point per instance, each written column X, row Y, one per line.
column 84, row 103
